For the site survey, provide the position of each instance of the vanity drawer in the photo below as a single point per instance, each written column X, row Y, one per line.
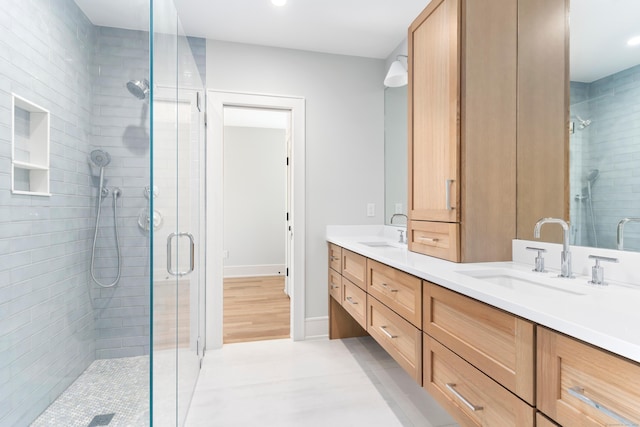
column 542, row 421
column 401, row 339
column 438, row 239
column 335, row 285
column 452, row 381
column 354, row 301
column 496, row 342
column 354, row 268
column 398, row 290
column 570, row 372
column 335, row 257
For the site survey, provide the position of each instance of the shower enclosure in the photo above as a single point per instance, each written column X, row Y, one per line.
column 101, row 200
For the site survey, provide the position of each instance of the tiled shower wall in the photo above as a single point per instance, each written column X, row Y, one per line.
column 47, row 334
column 612, row 144
column 121, row 127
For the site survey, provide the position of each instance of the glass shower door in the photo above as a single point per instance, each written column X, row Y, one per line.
column 177, row 206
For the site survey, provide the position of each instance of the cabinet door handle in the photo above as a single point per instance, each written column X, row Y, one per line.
column 457, row 394
column 448, row 193
column 384, row 331
column 433, row 241
column 578, row 393
column 388, row 288
column 352, row 301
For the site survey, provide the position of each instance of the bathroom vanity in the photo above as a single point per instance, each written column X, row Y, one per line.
column 495, row 343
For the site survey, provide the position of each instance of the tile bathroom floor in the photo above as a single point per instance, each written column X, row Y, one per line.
column 113, row 392
column 351, row 382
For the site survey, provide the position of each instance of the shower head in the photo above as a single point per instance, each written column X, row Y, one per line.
column 100, row 158
column 139, row 88
column 593, row 175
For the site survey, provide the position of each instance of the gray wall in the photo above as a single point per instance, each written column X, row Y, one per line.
column 255, row 181
column 344, row 135
column 611, row 144
column 47, row 333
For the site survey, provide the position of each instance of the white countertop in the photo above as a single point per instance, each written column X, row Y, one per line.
column 607, row 317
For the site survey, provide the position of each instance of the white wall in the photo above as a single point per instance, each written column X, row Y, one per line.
column 344, row 140
column 255, row 180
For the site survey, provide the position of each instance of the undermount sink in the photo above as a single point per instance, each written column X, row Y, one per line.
column 524, row 282
column 378, row 244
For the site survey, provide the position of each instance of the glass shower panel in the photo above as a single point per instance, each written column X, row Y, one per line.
column 178, row 129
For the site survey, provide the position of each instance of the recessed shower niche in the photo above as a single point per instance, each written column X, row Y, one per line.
column 29, row 148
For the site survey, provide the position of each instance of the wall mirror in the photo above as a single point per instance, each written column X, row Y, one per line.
column 395, row 153
column 604, row 124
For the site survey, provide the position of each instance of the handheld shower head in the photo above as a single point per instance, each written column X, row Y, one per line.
column 593, row 175
column 139, row 88
column 100, row 158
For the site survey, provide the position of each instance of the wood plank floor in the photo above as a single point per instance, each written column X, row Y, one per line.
column 255, row 309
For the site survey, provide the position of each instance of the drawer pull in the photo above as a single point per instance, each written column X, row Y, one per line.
column 468, row 404
column 388, row 288
column 384, row 331
column 334, row 286
column 578, row 393
column 429, row 240
column 335, row 258
column 352, row 301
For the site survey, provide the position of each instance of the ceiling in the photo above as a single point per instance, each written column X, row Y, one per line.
column 368, row 28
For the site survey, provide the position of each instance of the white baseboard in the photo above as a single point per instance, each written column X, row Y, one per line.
column 254, row 270
column 316, row 328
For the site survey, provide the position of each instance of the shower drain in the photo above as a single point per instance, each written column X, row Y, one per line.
column 101, row 420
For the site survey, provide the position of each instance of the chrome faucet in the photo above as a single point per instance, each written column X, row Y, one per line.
column 402, row 238
column 398, row 214
column 565, row 256
column 620, row 234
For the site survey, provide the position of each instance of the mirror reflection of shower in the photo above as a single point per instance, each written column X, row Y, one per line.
column 586, row 197
column 101, row 159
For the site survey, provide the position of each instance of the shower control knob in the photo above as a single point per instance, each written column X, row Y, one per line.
column 147, row 192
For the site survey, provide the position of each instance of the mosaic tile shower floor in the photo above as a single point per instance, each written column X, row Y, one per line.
column 108, row 386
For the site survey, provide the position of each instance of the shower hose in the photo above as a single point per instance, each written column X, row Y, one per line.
column 116, row 193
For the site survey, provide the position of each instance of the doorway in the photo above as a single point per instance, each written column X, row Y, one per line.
column 221, row 105
column 255, row 197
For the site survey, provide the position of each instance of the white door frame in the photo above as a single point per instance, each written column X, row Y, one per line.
column 216, row 101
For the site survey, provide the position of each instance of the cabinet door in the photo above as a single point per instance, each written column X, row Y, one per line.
column 434, row 112
column 581, row 385
column 469, row 395
column 494, row 341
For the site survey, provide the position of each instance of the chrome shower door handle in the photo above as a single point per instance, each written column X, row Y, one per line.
column 449, row 182
column 192, row 250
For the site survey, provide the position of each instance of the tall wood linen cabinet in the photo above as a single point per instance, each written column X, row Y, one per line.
column 462, row 130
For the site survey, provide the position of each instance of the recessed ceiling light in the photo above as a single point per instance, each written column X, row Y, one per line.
column 634, row 41
column 279, row 3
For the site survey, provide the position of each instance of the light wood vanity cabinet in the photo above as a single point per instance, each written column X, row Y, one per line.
column 398, row 290
column 470, row 355
column 354, row 301
column 468, row 394
column 335, row 258
column 335, row 285
column 342, row 316
column 496, row 342
column 354, row 268
column 571, row 373
column 401, row 339
column 462, row 130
